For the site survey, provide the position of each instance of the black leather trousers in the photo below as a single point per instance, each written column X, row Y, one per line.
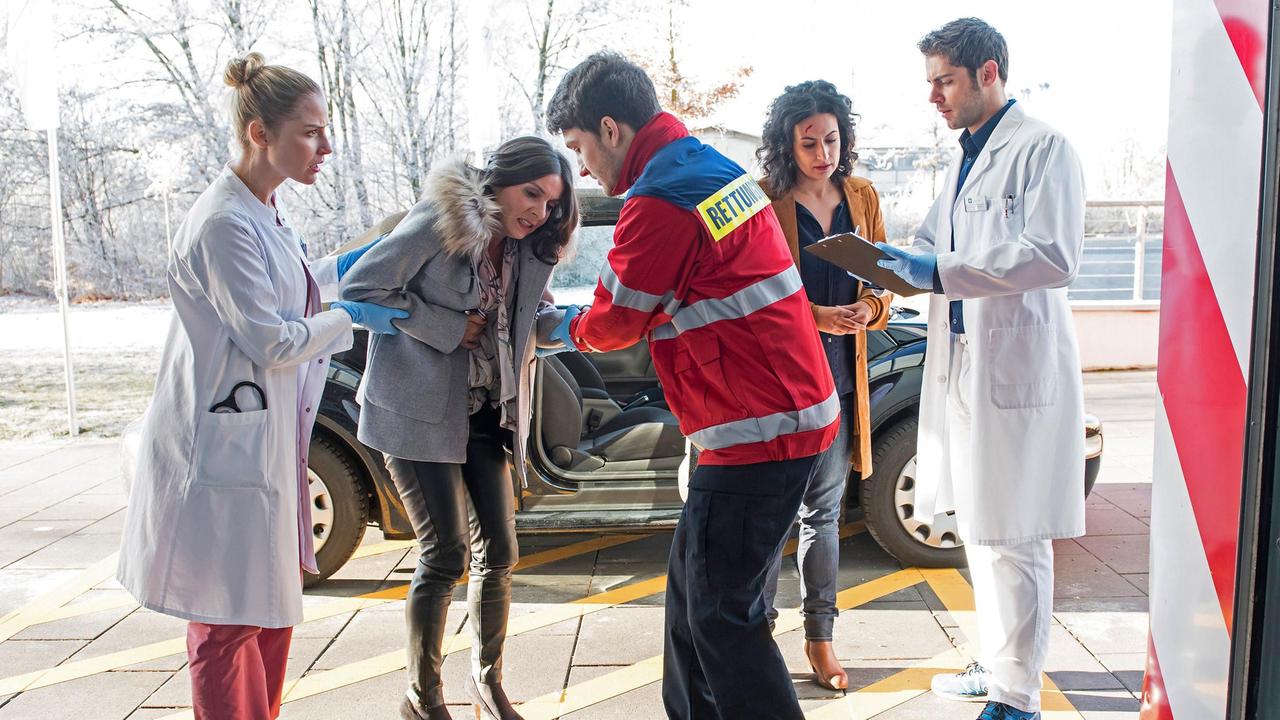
column 460, row 513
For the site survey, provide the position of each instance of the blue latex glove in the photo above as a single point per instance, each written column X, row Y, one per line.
column 349, row 258
column 375, row 318
column 916, row 267
column 561, row 333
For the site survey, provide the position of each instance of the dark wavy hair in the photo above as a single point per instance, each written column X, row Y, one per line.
column 796, row 103
column 525, row 159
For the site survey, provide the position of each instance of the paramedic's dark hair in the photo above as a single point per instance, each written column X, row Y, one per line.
column 777, row 149
column 968, row 43
column 604, row 84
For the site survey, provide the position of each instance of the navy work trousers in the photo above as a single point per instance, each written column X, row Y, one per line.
column 720, row 661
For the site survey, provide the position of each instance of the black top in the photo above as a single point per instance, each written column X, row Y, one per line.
column 828, row 284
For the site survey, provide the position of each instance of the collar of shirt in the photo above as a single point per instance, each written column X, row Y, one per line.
column 972, row 143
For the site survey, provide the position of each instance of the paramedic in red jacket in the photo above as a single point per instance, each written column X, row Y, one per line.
column 701, row 269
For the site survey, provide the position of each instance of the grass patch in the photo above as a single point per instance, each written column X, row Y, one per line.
column 112, row 389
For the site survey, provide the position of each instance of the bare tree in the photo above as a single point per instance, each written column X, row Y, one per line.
column 680, row 94
column 550, row 31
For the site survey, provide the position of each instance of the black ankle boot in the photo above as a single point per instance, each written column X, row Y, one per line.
column 490, row 701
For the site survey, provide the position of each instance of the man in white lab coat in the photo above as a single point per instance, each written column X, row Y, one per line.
column 1001, row 409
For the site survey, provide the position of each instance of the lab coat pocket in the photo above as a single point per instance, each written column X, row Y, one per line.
column 232, row 449
column 1022, row 365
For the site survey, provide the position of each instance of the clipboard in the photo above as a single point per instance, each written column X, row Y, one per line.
column 857, row 256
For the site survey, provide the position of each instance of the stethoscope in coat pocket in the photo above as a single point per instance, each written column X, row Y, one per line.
column 232, row 405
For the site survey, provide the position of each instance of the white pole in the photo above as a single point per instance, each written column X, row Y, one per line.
column 60, row 278
column 168, row 232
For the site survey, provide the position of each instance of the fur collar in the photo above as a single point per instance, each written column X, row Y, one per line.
column 466, row 218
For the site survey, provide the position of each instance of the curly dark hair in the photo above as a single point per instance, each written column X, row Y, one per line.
column 796, row 103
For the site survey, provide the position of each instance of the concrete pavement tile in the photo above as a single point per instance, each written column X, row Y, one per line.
column 1110, row 520
column 549, row 589
column 372, row 567
column 643, row 702
column 1068, row 547
column 23, row 656
column 1085, row 576
column 81, row 627
column 1105, row 705
column 375, row 699
column 564, row 627
column 49, row 464
column 82, row 507
column 20, row 539
column 147, row 713
column 1072, row 667
column 1126, row 554
column 1133, row 498
column 73, row 551
column 601, row 639
column 653, row 548
column 369, row 633
column 112, row 525
column 17, row 453
column 928, row 706
column 532, row 666
column 105, row 696
column 142, row 627
column 325, row 627
column 10, row 514
column 1142, row 581
column 19, row 587
column 888, row 633
column 1105, row 632
column 1127, row 667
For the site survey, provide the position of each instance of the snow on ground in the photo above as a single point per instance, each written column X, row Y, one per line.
column 31, row 325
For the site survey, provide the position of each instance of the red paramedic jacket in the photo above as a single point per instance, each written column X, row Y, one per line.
column 701, row 269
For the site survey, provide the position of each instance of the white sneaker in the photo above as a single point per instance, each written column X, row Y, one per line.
column 967, row 686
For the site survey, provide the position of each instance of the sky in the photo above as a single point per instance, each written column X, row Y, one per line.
column 1105, row 63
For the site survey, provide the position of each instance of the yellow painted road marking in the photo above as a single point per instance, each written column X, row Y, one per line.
column 88, row 607
column 77, row 669
column 37, row 610
column 890, row 692
column 379, row 548
column 957, row 597
column 649, row 670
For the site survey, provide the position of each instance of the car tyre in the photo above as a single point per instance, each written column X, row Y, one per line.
column 886, row 504
column 339, row 498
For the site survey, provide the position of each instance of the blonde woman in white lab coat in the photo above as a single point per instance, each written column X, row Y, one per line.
column 218, row 526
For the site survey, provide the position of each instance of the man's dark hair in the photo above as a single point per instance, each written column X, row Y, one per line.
column 777, row 149
column 604, row 84
column 968, row 43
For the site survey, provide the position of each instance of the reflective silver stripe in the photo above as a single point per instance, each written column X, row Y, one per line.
column 626, row 297
column 769, row 427
column 738, row 305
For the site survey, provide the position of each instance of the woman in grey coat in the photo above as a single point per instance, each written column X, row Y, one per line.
column 447, row 397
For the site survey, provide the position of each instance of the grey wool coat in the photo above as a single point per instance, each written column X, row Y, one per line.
column 414, row 393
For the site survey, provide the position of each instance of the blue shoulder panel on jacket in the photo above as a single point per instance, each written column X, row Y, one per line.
column 686, row 172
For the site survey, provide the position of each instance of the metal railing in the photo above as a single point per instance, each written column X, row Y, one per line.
column 1120, row 263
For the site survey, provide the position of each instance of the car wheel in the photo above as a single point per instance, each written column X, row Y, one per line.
column 339, row 507
column 888, row 499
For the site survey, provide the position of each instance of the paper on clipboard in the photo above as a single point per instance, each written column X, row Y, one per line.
column 859, row 257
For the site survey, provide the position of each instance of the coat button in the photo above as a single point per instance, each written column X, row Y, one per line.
column 942, row 379
column 308, row 410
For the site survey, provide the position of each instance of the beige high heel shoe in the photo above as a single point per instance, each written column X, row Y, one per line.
column 831, row 676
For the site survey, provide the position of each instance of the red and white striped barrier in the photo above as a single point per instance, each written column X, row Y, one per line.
column 1210, row 245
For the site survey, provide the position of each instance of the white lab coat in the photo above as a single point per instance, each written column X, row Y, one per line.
column 1024, row 479
column 211, row 531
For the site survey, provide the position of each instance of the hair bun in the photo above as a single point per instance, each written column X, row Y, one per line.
column 241, row 70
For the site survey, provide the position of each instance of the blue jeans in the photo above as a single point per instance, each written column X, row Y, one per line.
column 819, row 552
